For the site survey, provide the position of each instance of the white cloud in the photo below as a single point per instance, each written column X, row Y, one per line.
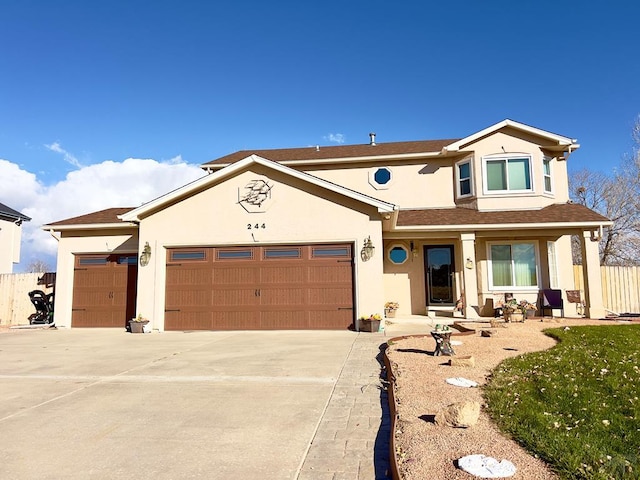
column 335, row 137
column 68, row 157
column 104, row 185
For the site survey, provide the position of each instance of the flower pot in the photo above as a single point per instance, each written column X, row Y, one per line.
column 137, row 327
column 513, row 317
column 390, row 313
column 367, row 325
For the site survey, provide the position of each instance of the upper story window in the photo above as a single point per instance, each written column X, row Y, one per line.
column 380, row 178
column 546, row 169
column 463, row 173
column 507, row 174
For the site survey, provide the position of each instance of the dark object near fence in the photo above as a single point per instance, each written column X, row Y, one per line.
column 43, row 304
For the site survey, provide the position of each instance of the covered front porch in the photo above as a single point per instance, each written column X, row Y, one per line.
column 465, row 274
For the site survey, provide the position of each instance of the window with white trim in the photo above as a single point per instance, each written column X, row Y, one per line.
column 504, row 174
column 513, row 265
column 546, row 171
column 553, row 264
column 380, row 178
column 398, row 254
column 463, row 172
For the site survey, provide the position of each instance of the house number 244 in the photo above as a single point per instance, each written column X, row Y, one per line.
column 256, row 226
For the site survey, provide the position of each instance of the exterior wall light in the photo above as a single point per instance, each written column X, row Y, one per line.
column 367, row 250
column 469, row 263
column 414, row 250
column 145, row 256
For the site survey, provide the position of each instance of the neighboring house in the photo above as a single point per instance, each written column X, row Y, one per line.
column 312, row 238
column 10, row 236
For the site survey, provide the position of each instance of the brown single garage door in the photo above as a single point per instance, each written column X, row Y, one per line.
column 104, row 290
column 260, row 288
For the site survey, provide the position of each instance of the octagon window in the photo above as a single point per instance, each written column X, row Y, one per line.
column 380, row 177
column 398, row 254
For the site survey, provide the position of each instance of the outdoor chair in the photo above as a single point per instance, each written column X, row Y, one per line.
column 551, row 299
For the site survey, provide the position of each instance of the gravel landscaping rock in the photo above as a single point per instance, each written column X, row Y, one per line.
column 425, row 449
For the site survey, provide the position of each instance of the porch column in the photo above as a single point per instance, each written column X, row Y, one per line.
column 591, row 276
column 469, row 275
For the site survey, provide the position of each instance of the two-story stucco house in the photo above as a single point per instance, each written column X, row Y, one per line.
column 312, row 238
column 10, row 237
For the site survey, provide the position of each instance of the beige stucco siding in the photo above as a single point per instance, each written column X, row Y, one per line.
column 425, row 184
column 502, row 143
column 297, row 212
column 10, row 234
column 79, row 243
column 406, row 283
column 431, row 182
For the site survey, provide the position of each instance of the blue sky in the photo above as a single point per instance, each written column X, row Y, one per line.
column 88, row 89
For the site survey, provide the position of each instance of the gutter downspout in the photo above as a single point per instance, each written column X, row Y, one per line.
column 51, row 232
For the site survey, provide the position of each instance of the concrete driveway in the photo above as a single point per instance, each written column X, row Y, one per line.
column 101, row 403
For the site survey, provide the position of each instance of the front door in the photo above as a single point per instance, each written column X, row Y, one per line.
column 439, row 270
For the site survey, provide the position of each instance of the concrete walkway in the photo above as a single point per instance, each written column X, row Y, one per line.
column 352, row 439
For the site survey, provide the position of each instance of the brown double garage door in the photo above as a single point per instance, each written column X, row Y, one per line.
column 260, row 287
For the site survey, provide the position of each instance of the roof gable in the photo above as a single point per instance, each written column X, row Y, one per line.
column 563, row 143
column 159, row 203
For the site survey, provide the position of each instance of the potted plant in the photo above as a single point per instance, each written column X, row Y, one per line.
column 517, row 311
column 370, row 323
column 390, row 309
column 528, row 308
column 136, row 325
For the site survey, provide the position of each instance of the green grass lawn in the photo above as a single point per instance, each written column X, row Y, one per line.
column 577, row 405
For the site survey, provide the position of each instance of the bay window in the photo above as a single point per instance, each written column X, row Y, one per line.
column 513, row 265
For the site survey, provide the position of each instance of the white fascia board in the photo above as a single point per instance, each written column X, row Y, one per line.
column 503, row 226
column 89, row 226
column 182, row 192
column 338, row 160
column 561, row 140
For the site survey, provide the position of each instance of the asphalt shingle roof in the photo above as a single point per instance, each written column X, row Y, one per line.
column 11, row 213
column 558, row 213
column 110, row 215
column 340, row 151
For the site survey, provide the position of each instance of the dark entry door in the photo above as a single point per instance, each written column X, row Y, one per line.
column 439, row 270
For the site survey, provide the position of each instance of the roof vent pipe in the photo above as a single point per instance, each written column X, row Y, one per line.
column 372, row 139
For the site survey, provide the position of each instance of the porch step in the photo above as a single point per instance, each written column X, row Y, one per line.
column 446, row 312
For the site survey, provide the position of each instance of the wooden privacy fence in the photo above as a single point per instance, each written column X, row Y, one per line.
column 620, row 287
column 15, row 305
